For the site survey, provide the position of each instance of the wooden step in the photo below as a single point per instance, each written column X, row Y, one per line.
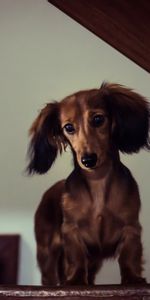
column 107, row 292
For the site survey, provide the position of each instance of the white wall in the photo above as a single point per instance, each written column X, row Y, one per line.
column 45, row 55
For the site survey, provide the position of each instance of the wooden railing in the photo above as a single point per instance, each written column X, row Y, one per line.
column 107, row 292
column 9, row 258
column 125, row 25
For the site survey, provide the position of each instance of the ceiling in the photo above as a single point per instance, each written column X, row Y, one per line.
column 125, row 25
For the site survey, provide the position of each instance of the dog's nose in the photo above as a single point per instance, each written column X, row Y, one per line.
column 89, row 160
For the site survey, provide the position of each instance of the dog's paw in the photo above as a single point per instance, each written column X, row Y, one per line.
column 134, row 280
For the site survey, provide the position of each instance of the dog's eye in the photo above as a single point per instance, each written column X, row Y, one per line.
column 69, row 128
column 98, row 120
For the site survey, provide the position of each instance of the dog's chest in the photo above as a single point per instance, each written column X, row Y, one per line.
column 97, row 199
column 95, row 213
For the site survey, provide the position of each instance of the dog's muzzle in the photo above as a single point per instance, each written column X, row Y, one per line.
column 89, row 160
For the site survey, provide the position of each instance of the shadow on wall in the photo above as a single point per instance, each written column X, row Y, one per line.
column 26, row 274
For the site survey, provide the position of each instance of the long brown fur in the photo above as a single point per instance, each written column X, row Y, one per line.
column 94, row 213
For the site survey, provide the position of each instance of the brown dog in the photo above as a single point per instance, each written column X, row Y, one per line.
column 94, row 213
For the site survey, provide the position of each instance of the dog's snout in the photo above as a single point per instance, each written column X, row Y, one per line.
column 89, row 160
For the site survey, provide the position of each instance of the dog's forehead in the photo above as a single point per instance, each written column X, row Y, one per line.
column 72, row 106
column 68, row 108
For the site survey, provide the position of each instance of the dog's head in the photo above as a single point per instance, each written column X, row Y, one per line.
column 95, row 123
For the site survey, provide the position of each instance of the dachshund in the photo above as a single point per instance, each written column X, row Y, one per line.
column 94, row 213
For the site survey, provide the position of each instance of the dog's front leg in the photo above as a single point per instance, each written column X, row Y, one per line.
column 76, row 266
column 130, row 259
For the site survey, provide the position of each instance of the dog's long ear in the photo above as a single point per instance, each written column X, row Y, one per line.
column 46, row 139
column 131, row 115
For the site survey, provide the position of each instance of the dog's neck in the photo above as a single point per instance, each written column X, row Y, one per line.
column 99, row 173
column 99, row 179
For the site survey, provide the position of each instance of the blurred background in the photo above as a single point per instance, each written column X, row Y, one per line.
column 45, row 56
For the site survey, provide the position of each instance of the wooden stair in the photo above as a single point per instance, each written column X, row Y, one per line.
column 106, row 292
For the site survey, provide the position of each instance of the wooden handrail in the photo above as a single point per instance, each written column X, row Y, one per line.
column 125, row 25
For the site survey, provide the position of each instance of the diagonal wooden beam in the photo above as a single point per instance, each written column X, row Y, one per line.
column 125, row 25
